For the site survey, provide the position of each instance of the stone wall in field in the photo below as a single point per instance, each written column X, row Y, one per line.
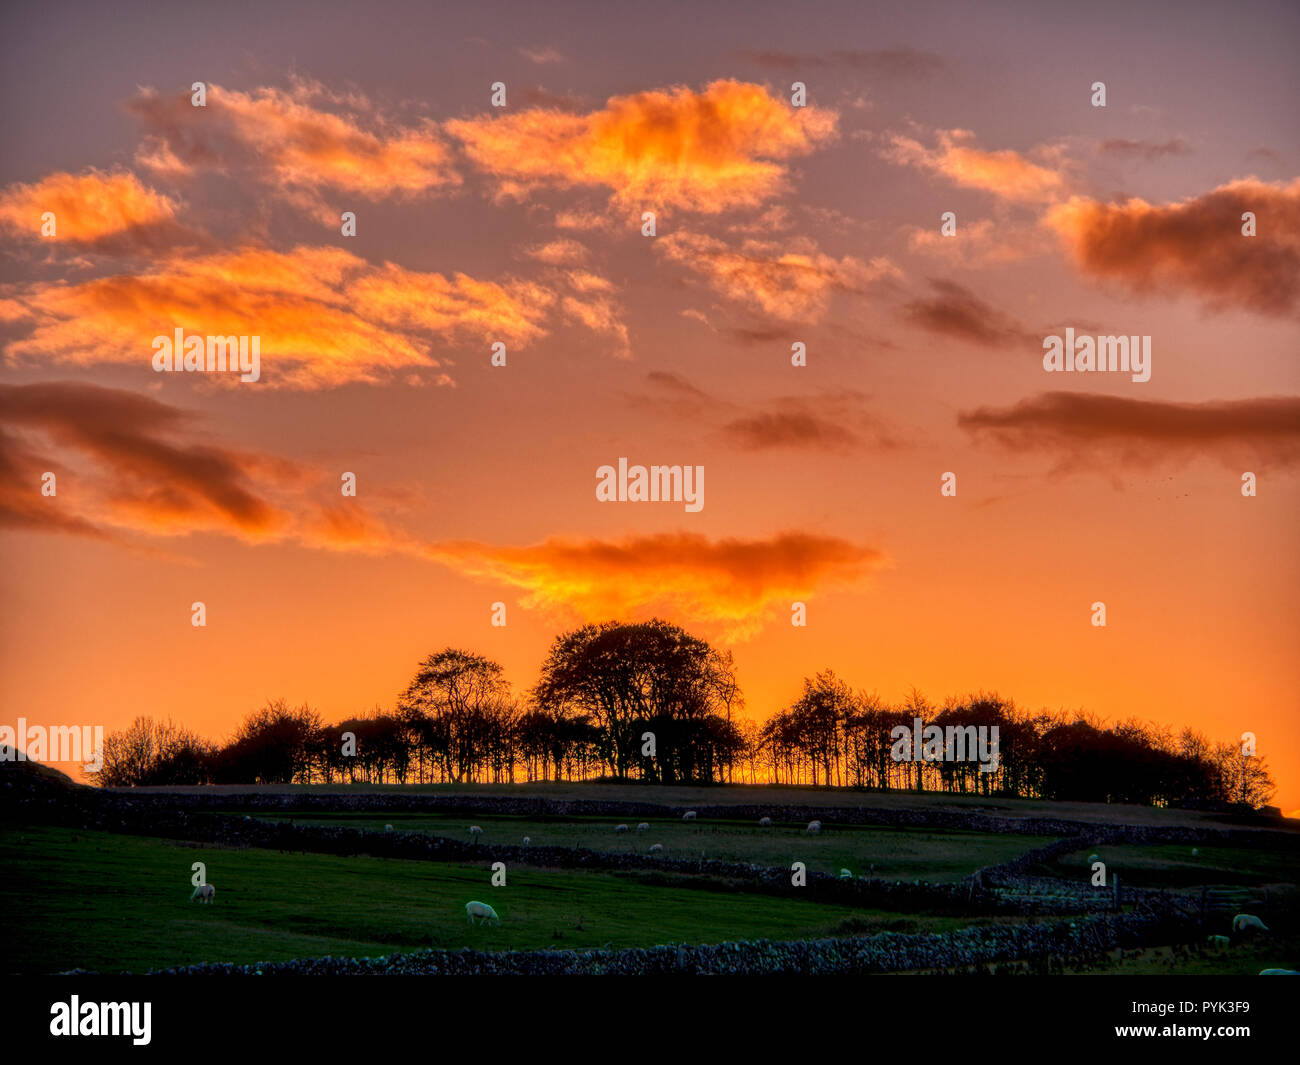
column 846, row 956
column 538, row 806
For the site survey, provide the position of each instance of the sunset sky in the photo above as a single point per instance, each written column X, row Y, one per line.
column 775, row 224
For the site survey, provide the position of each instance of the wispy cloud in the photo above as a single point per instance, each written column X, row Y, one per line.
column 792, row 280
column 132, row 464
column 955, row 311
column 299, row 142
column 881, row 62
column 1007, row 174
column 1150, row 151
column 325, row 317
column 1077, row 427
column 836, row 421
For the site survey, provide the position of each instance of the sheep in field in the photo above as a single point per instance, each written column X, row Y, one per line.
column 388, row 828
column 1196, row 851
column 658, row 848
column 643, row 827
column 527, row 841
column 1222, row 942
column 764, row 822
column 689, row 815
column 1278, row 972
column 482, row 911
column 1248, row 922
column 814, row 828
column 474, row 833
column 204, row 893
column 620, row 828
column 845, row 875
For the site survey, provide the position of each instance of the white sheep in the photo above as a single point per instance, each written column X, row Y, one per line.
column 481, row 910
column 644, row 826
column 764, row 822
column 689, row 815
column 474, row 833
column 1248, row 922
column 845, row 875
column 388, row 828
column 814, row 827
column 1278, row 972
column 620, row 828
column 657, row 848
column 204, row 893
column 1222, row 942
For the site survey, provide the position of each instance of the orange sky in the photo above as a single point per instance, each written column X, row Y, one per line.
column 775, row 224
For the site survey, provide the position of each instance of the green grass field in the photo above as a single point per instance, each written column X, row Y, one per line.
column 92, row 900
column 935, row 855
column 1173, row 866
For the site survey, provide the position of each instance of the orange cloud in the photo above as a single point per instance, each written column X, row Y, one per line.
column 704, row 151
column 1196, row 246
column 792, row 284
column 108, row 210
column 737, row 585
column 293, row 144
column 1005, row 173
column 325, row 317
column 128, row 463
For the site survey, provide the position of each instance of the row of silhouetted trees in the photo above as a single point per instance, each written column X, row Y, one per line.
column 650, row 702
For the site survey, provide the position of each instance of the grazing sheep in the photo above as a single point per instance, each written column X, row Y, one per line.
column 1223, row 942
column 814, row 827
column 845, row 875
column 1278, row 972
column 764, row 822
column 658, row 848
column 689, row 815
column 1248, row 922
column 388, row 828
column 474, row 833
column 481, row 910
column 620, row 828
column 643, row 826
column 204, row 893
column 527, row 841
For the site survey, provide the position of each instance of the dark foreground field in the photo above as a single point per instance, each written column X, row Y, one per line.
column 102, row 881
